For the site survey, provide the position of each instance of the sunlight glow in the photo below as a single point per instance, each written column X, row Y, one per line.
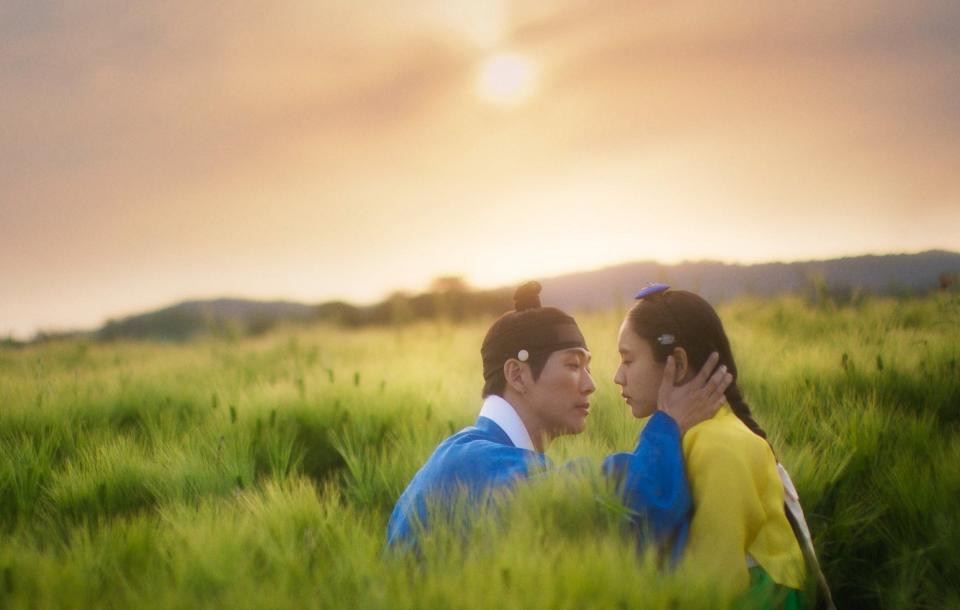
column 506, row 79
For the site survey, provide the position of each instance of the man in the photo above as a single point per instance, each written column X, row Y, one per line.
column 536, row 387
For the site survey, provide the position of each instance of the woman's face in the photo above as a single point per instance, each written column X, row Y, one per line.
column 638, row 375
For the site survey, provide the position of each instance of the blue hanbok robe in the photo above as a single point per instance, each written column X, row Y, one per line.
column 482, row 458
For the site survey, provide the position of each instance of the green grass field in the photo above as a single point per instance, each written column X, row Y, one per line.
column 260, row 472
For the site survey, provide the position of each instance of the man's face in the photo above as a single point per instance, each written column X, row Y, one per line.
column 638, row 374
column 559, row 395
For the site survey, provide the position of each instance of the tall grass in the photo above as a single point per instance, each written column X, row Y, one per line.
column 261, row 472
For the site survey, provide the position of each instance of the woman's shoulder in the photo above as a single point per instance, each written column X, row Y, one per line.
column 724, row 427
column 723, row 439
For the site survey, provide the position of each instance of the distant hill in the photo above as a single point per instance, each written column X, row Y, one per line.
column 236, row 317
column 839, row 280
column 219, row 316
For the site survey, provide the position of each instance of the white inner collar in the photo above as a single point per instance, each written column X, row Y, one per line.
column 504, row 415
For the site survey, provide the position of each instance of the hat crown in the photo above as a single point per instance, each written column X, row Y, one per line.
column 527, row 296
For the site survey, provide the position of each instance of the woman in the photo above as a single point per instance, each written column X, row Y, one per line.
column 740, row 537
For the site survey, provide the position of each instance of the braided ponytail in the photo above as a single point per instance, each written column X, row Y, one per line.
column 741, row 409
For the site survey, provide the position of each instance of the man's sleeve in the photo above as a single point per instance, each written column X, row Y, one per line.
column 652, row 479
column 477, row 470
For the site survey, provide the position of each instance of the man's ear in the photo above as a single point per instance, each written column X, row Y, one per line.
column 513, row 373
column 683, row 365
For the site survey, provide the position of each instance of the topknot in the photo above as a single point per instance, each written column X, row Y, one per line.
column 527, row 296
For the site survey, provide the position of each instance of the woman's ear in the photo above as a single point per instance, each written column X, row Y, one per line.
column 513, row 374
column 683, row 365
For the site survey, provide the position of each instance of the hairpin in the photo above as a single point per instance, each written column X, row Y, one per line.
column 523, row 355
column 666, row 339
column 651, row 289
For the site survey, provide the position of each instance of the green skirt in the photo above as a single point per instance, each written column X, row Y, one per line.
column 765, row 594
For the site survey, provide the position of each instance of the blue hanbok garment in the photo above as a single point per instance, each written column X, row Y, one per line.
column 496, row 452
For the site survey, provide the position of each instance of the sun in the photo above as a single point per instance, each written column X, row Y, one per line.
column 506, row 79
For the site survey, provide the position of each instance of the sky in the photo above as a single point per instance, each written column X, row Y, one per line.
column 335, row 149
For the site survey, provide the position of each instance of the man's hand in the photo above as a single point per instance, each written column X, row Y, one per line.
column 698, row 399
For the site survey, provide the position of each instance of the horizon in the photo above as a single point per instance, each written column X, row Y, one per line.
column 342, row 150
column 37, row 331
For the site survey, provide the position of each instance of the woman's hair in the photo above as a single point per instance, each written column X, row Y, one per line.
column 677, row 318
